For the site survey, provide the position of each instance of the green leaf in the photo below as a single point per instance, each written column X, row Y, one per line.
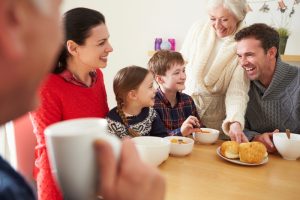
column 283, row 32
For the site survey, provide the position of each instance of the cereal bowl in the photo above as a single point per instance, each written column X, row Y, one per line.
column 289, row 149
column 206, row 136
column 152, row 150
column 180, row 146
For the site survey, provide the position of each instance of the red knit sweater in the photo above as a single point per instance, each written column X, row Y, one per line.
column 62, row 100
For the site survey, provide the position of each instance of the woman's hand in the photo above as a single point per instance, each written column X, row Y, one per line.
column 236, row 133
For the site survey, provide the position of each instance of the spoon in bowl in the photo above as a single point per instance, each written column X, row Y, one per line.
column 288, row 133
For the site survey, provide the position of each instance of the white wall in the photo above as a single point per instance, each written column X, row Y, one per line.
column 274, row 18
column 133, row 25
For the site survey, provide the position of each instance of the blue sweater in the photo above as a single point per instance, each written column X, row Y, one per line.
column 12, row 185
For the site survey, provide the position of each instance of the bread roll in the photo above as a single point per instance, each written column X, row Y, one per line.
column 230, row 149
column 252, row 152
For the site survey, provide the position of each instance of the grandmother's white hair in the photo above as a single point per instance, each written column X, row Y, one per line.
column 237, row 7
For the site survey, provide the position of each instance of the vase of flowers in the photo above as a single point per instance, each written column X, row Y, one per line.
column 279, row 14
column 283, row 37
column 286, row 14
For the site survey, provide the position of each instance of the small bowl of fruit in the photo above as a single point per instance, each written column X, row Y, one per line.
column 180, row 146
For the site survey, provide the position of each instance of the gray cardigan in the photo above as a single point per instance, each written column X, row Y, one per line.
column 275, row 107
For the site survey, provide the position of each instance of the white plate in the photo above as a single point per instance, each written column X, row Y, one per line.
column 265, row 160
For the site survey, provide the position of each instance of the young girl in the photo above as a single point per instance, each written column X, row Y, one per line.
column 134, row 115
column 75, row 89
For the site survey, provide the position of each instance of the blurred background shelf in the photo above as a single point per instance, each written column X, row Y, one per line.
column 290, row 58
column 151, row 52
column 285, row 58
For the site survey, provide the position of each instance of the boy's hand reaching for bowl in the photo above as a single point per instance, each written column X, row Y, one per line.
column 190, row 125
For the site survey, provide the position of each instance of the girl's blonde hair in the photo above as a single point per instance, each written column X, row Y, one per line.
column 127, row 79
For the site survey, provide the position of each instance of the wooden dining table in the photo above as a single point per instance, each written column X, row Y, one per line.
column 203, row 174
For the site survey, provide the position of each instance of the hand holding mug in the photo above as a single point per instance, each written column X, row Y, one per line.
column 72, row 156
column 130, row 179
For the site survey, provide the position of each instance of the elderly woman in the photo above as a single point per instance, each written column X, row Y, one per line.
column 218, row 86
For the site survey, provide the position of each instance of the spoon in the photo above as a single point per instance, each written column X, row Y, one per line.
column 288, row 133
column 198, row 126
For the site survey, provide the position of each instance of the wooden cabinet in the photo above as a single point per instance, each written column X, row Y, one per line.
column 290, row 58
column 285, row 58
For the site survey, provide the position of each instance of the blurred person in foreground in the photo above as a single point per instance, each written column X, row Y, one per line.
column 274, row 95
column 30, row 38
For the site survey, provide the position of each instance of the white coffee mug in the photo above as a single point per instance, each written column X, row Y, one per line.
column 71, row 154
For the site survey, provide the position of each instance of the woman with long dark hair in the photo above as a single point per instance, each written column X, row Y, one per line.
column 75, row 88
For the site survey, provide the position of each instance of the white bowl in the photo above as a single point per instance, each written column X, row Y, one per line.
column 181, row 149
column 152, row 150
column 206, row 138
column 289, row 149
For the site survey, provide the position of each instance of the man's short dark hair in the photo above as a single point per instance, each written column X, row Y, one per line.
column 267, row 36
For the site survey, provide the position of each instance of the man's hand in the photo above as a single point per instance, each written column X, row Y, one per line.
column 267, row 140
column 130, row 178
column 236, row 133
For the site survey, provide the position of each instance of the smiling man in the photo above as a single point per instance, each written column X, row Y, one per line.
column 274, row 95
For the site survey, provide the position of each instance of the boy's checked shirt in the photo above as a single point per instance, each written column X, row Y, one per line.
column 173, row 117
